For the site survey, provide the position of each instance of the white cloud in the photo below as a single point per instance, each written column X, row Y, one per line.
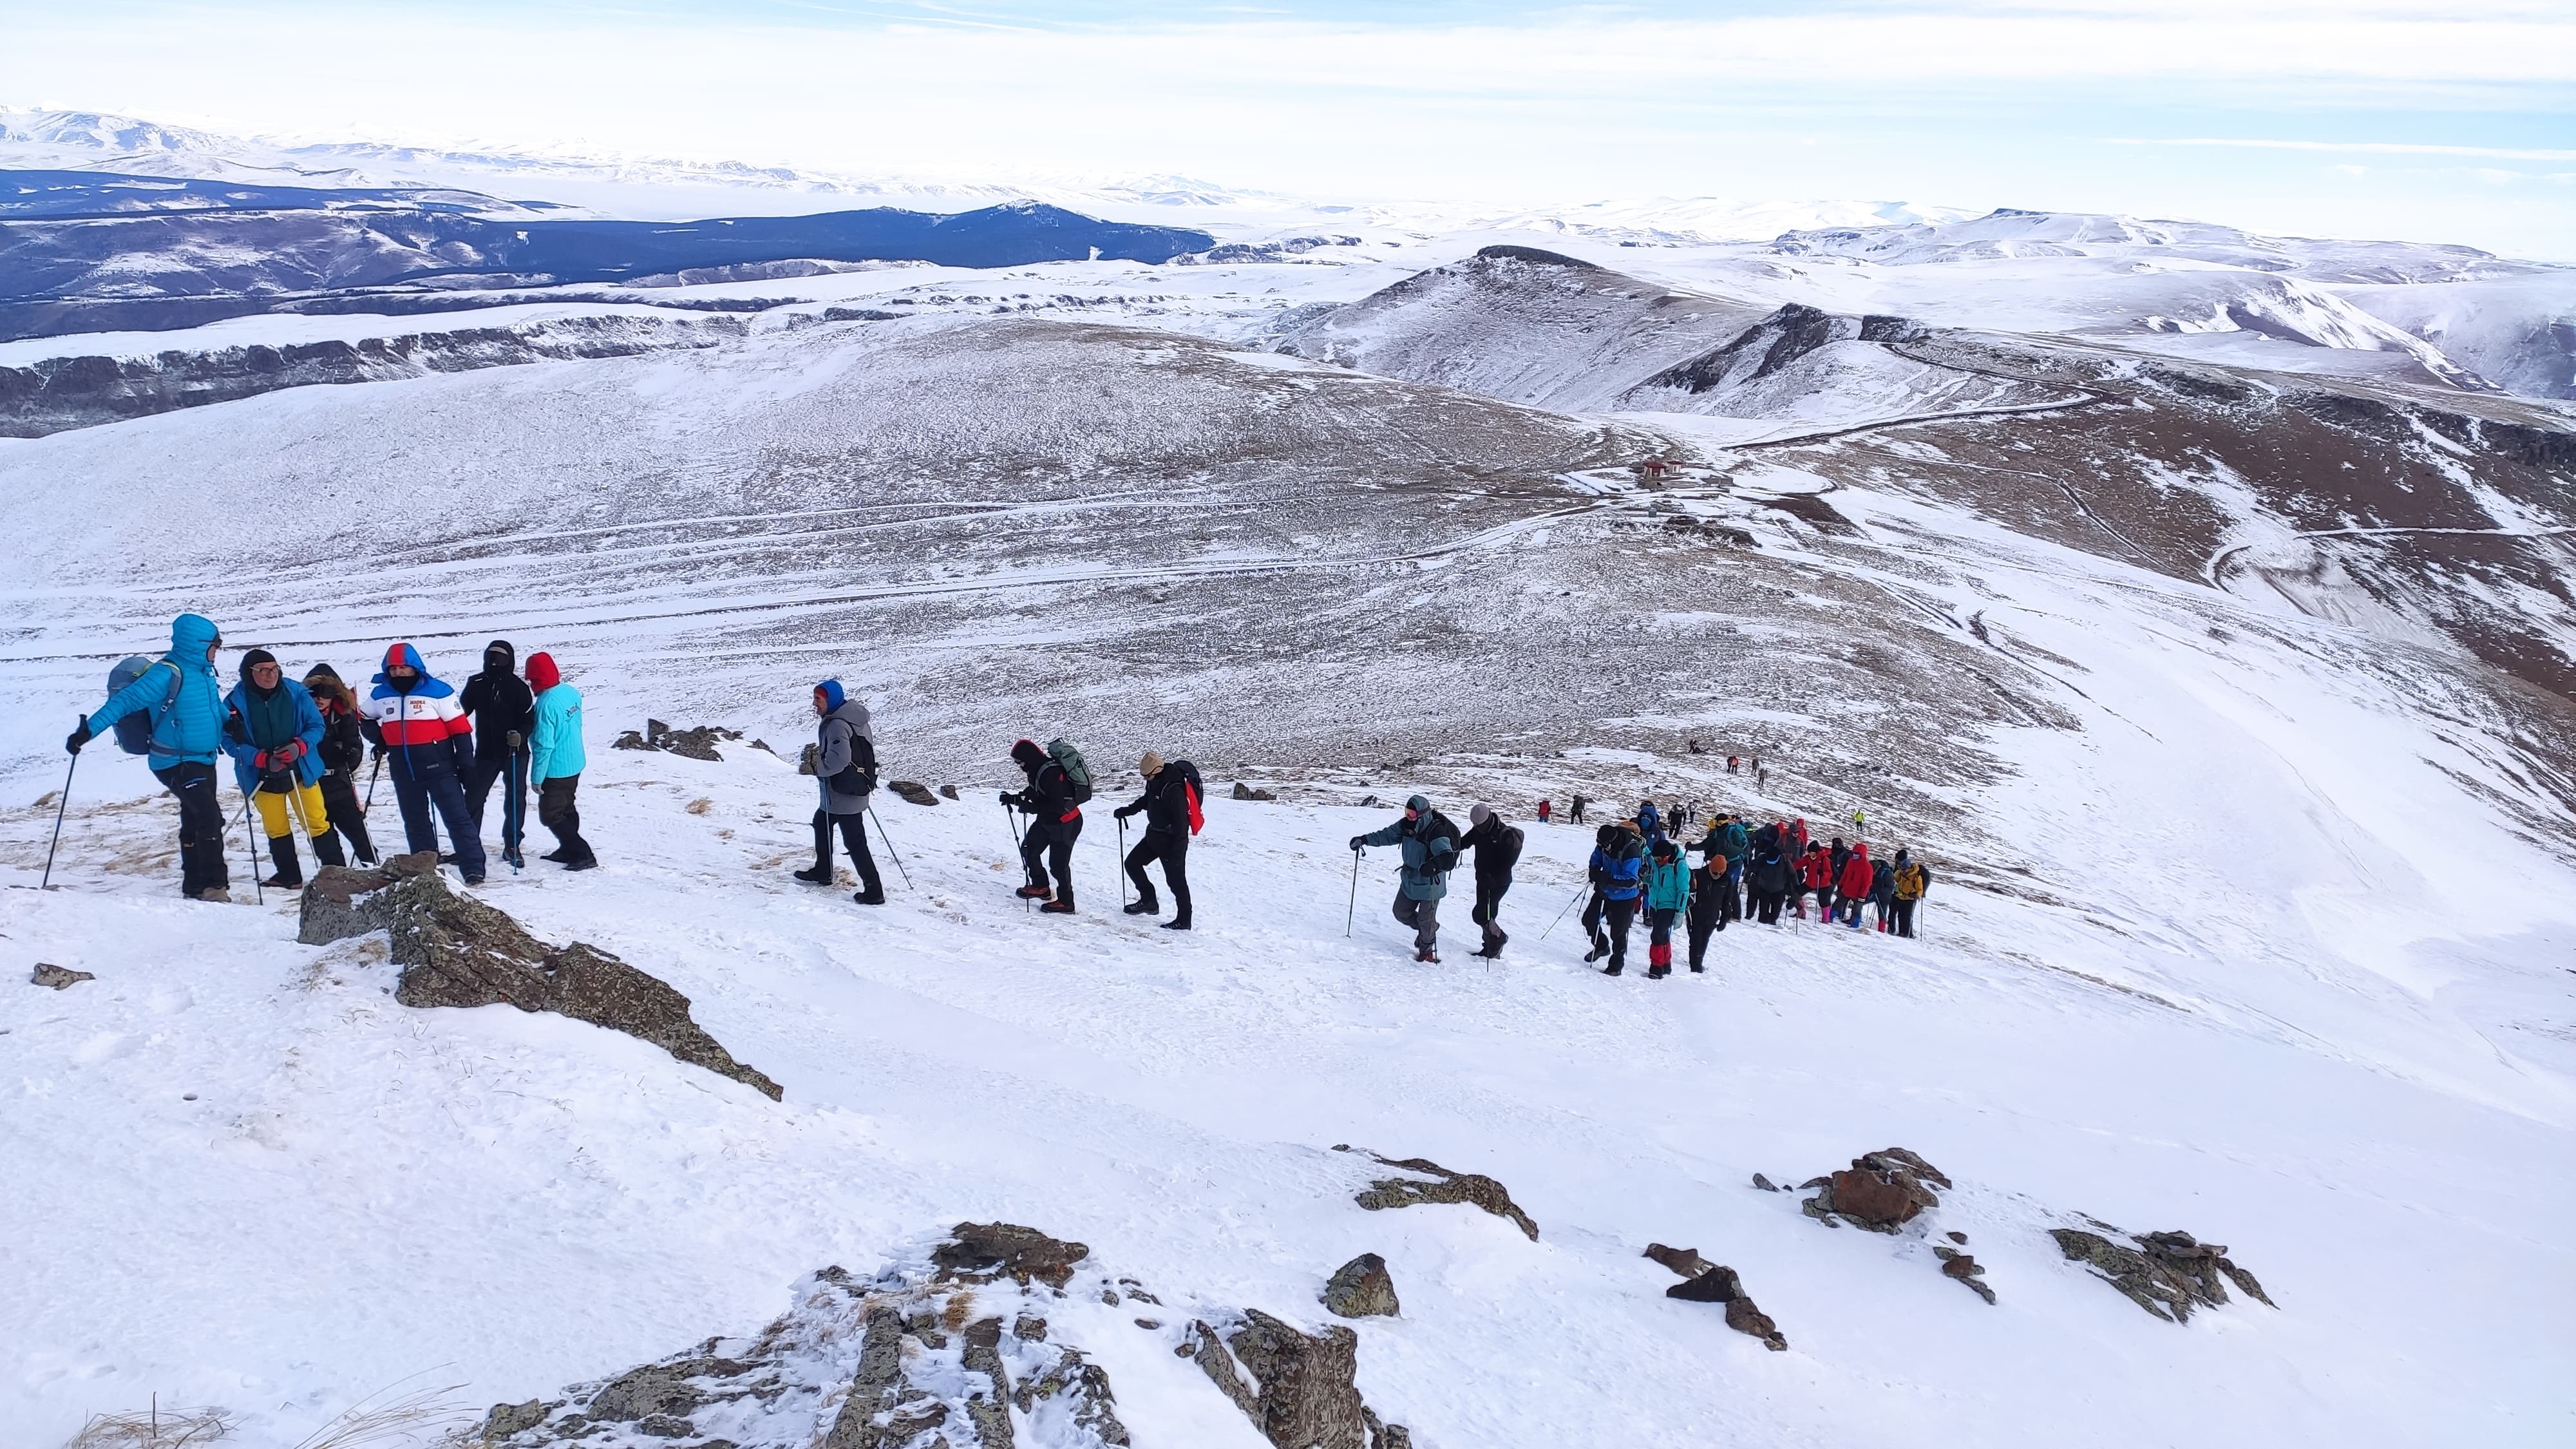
column 2507, row 153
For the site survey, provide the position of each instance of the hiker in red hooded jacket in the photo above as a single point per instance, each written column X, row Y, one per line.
column 1816, row 875
column 1855, row 884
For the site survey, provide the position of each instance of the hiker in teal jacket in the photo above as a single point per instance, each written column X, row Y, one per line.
column 1667, row 896
column 555, row 760
column 1430, row 845
column 186, row 736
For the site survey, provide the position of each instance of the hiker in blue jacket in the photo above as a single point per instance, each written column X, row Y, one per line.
column 1430, row 852
column 1618, row 876
column 274, row 734
column 184, row 698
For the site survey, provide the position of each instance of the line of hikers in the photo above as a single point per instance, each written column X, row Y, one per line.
column 1636, row 867
column 296, row 747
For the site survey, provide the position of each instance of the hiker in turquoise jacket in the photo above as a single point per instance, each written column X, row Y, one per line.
column 1430, row 845
column 186, row 736
column 555, row 761
column 1667, row 896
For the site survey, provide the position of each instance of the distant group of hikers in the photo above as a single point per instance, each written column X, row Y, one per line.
column 296, row 748
column 1745, row 871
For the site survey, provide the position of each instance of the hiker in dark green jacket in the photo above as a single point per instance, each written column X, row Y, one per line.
column 1430, row 845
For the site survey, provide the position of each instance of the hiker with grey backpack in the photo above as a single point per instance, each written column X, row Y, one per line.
column 845, row 768
column 1059, row 785
column 172, row 710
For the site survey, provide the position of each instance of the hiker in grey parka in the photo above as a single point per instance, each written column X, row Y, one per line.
column 845, row 771
column 1430, row 845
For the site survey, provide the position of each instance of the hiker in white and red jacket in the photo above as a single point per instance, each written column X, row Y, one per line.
column 1170, row 806
column 425, row 735
column 1055, row 822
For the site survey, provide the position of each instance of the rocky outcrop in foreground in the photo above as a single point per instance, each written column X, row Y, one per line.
column 1883, row 1191
column 1437, row 1184
column 950, row 1347
column 457, row 951
column 2167, row 1274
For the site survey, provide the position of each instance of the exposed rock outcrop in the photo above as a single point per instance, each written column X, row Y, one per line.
column 2168, row 1274
column 698, row 743
column 1439, row 1185
column 914, row 791
column 854, row 1364
column 1708, row 1282
column 1300, row 1391
column 986, row 1252
column 1243, row 791
column 457, row 951
column 1965, row 1269
column 1362, row 1288
column 1881, row 1191
column 58, row 977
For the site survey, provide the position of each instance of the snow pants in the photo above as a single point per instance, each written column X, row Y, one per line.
column 854, row 839
column 1904, row 917
column 441, row 790
column 508, row 769
column 1423, row 917
column 1707, row 918
column 558, row 810
column 1049, row 847
column 201, row 827
column 1173, row 850
column 340, row 807
column 1488, row 912
column 1616, row 916
column 1659, row 940
column 283, row 802
column 1766, row 907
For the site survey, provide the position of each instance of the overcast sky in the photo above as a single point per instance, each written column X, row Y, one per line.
column 2356, row 118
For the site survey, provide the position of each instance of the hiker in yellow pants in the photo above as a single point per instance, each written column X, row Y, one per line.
column 271, row 728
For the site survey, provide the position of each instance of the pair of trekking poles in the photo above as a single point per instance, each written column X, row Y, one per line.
column 250, row 833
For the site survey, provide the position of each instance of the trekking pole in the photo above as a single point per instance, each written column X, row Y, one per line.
column 1122, row 861
column 512, row 808
column 1011, row 826
column 250, row 846
column 59, row 802
column 1560, row 916
column 890, row 850
column 1352, row 915
column 370, row 802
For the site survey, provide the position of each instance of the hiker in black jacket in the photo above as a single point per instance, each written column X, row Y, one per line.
column 1055, row 823
column 1498, row 849
column 504, row 711
column 1170, row 807
column 343, row 750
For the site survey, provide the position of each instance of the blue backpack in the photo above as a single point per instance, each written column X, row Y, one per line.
column 134, row 732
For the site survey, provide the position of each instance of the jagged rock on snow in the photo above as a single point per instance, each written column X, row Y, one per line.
column 1362, row 1288
column 853, row 1364
column 1958, row 1265
column 1300, row 1392
column 914, row 791
column 1764, row 1183
column 1880, row 1191
column 1243, row 791
column 948, row 790
column 2168, row 1274
column 58, row 977
column 984, row 1252
column 1708, row 1282
column 1446, row 1186
column 698, row 743
column 458, row 951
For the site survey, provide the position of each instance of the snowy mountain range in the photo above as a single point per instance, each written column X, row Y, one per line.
column 2200, row 605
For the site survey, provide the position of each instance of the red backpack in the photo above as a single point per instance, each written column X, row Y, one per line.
column 1190, row 792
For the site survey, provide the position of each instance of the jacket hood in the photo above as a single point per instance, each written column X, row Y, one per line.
column 189, row 636
column 500, row 657
column 1421, row 803
column 853, row 713
column 427, row 686
column 833, row 695
column 542, row 674
column 1028, row 754
column 321, row 671
column 407, row 657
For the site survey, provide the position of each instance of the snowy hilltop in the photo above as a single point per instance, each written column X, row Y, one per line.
column 2194, row 608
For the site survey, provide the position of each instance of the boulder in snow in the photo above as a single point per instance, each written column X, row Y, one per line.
column 2168, row 1274
column 698, row 743
column 1880, row 1191
column 1243, row 791
column 986, row 1252
column 914, row 791
column 1438, row 1184
column 1301, row 1392
column 458, row 951
column 1708, row 1282
column 1362, row 1288
column 58, row 977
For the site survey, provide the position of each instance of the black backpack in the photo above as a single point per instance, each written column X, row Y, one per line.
column 1502, row 853
column 859, row 776
column 1441, row 862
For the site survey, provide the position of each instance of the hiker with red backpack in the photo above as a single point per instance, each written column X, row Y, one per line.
column 1170, row 806
column 1059, row 783
column 172, row 709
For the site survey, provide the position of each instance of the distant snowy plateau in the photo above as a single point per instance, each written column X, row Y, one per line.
column 2201, row 604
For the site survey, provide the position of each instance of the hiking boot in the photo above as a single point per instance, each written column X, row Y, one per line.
column 474, row 880
column 1695, row 970
column 214, row 896
column 1034, row 893
column 811, row 875
column 870, row 898
column 1177, row 923
column 1146, row 907
column 587, row 862
column 1427, row 954
column 1613, row 969
column 1057, row 908
column 1658, row 973
column 556, row 855
column 447, row 857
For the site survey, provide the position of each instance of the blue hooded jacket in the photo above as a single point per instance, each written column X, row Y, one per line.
column 308, row 728
column 193, row 729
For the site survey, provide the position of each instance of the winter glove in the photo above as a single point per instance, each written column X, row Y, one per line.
column 79, row 736
column 1357, row 842
column 1122, row 812
column 259, row 762
column 516, row 739
column 379, row 752
column 1010, row 799
column 286, row 754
